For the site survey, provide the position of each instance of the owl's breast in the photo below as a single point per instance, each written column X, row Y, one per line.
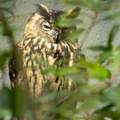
column 41, row 52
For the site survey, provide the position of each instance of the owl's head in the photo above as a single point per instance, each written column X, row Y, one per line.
column 42, row 23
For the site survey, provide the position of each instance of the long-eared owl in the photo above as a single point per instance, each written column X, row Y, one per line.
column 45, row 44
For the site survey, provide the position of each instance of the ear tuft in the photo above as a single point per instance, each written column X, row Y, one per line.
column 43, row 10
column 73, row 13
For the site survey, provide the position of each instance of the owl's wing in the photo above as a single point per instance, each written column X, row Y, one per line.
column 15, row 63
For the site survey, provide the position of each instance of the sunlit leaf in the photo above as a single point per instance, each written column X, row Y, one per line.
column 100, row 73
column 97, row 71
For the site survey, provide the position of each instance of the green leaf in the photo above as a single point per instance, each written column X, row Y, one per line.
column 91, row 103
column 100, row 73
column 3, row 58
column 112, row 94
column 74, row 35
column 98, row 48
column 95, row 70
column 2, row 1
column 105, row 55
column 116, row 59
column 1, row 29
column 112, row 16
column 5, row 113
column 11, row 103
column 50, row 96
column 61, row 71
column 68, row 22
column 112, row 34
column 9, row 10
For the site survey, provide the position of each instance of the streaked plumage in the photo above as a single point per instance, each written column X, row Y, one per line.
column 44, row 45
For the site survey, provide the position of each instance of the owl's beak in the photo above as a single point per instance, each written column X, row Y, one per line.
column 56, row 37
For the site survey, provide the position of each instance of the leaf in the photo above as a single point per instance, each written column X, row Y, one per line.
column 11, row 103
column 5, row 110
column 100, row 73
column 116, row 59
column 112, row 16
column 97, row 48
column 61, row 71
column 9, row 10
column 2, row 1
column 74, row 35
column 3, row 58
column 108, row 49
column 50, row 97
column 113, row 94
column 112, row 34
column 68, row 22
column 105, row 55
column 91, row 102
column 5, row 113
column 1, row 29
column 108, row 111
column 95, row 70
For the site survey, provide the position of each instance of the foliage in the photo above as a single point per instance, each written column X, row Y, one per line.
column 84, row 101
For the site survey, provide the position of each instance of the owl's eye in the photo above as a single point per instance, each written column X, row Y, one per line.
column 46, row 26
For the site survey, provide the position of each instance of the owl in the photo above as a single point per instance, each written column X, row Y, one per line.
column 44, row 46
